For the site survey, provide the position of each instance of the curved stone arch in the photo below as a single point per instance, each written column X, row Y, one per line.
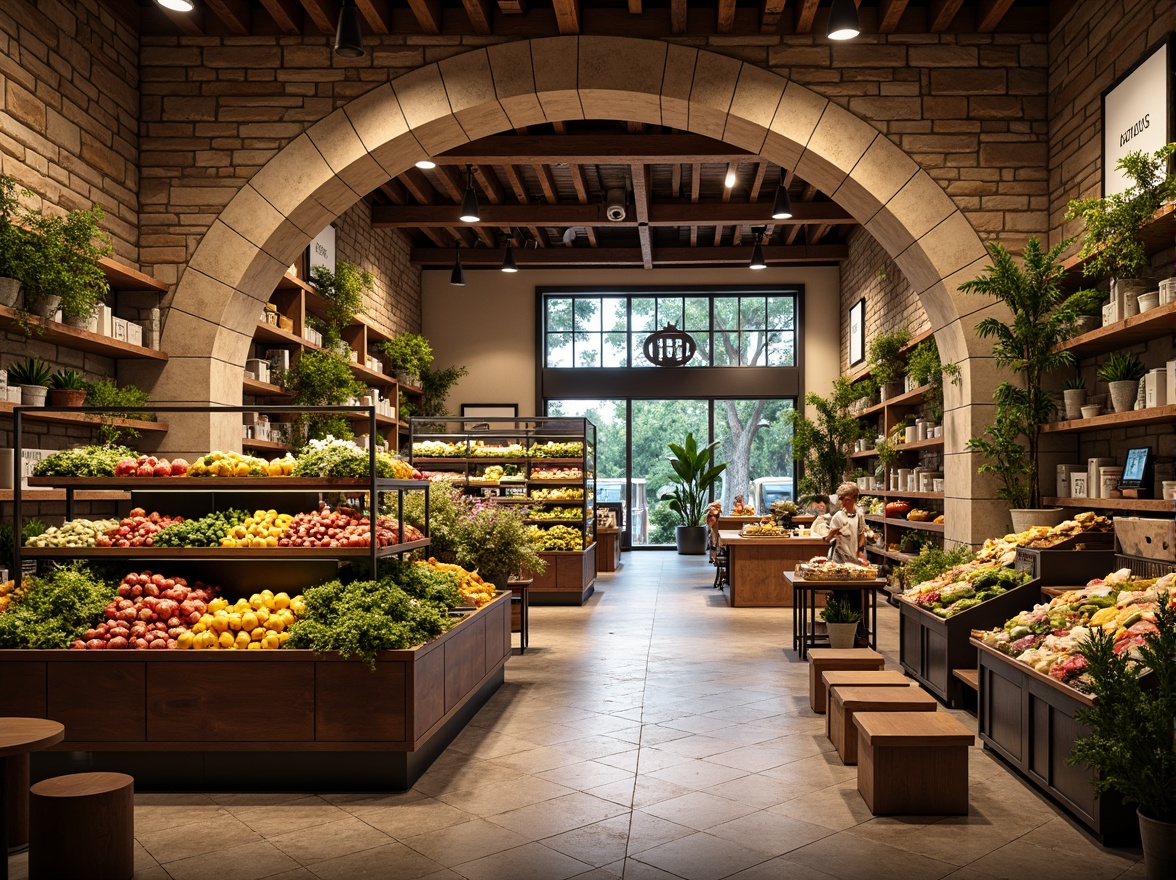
column 379, row 135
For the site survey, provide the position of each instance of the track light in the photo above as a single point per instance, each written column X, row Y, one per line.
column 508, row 260
column 176, row 5
column 469, row 202
column 348, row 38
column 457, row 276
column 426, row 164
column 782, row 205
column 757, row 253
column 844, row 23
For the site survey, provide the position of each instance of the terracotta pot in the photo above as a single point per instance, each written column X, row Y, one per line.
column 1159, row 847
column 1123, row 394
column 9, row 291
column 66, row 397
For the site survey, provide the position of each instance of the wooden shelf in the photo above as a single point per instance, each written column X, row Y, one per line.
column 905, row 523
column 81, row 340
column 42, row 495
column 224, row 484
column 902, row 447
column 1153, row 323
column 371, row 377
column 864, row 371
column 125, row 278
column 259, row 444
column 264, row 332
column 1157, row 234
column 263, row 389
column 927, row 496
column 411, row 390
column 890, row 554
column 268, row 553
column 911, row 398
column 1145, row 504
column 61, row 418
column 1155, row 415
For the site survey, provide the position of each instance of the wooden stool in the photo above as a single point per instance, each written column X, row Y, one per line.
column 18, row 803
column 823, row 659
column 913, row 763
column 82, row 825
column 844, row 701
column 860, row 678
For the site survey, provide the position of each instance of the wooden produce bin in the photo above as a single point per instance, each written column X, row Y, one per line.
column 930, row 647
column 288, row 720
column 568, row 579
column 1065, row 567
column 608, row 550
column 1027, row 718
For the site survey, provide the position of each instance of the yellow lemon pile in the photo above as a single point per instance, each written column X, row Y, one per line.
column 261, row 622
column 263, row 529
column 234, row 464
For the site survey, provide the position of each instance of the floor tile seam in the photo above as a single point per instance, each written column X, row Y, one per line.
column 766, row 859
column 361, row 849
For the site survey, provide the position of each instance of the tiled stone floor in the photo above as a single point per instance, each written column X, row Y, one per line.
column 654, row 733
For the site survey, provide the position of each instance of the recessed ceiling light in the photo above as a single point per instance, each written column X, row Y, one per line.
column 177, row 5
column 426, row 164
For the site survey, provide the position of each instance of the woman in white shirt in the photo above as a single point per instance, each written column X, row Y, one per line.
column 847, row 537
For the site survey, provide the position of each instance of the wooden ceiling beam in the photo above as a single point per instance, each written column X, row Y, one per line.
column 479, row 15
column 451, row 182
column 805, row 16
column 515, row 180
column 678, row 9
column 677, row 213
column 940, row 14
column 377, row 14
column 324, row 14
column 287, row 15
column 771, row 14
column 547, row 184
column 427, row 14
column 594, row 149
column 676, row 180
column 726, row 16
column 512, row 7
column 641, row 199
column 233, row 13
column 191, row 24
column 990, row 14
column 567, row 15
column 582, row 195
column 488, row 183
column 395, row 191
column 889, row 13
column 757, row 182
column 635, row 7
column 419, row 186
column 622, row 256
column 695, row 181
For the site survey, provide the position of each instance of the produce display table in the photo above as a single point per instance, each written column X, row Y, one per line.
column 804, row 632
column 19, row 736
column 754, row 565
column 608, row 549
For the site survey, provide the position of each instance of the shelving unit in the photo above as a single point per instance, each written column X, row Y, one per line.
column 1155, row 505
column 570, row 574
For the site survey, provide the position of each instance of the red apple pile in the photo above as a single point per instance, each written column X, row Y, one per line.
column 150, row 613
column 343, row 529
column 150, row 466
column 137, row 530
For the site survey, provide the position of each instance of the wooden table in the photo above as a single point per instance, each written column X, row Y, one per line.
column 19, row 736
column 754, row 565
column 804, row 634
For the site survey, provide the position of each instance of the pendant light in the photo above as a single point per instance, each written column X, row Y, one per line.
column 757, row 252
column 469, row 202
column 782, row 205
column 844, row 23
column 508, row 260
column 348, row 38
column 176, row 5
column 457, row 276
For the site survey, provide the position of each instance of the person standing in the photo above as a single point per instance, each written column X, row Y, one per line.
column 847, row 537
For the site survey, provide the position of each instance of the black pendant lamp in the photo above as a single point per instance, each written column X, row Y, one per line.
column 469, row 202
column 844, row 23
column 757, row 252
column 782, row 205
column 457, row 276
column 348, row 37
column 508, row 260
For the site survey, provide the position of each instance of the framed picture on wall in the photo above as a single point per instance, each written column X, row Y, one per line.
column 489, row 410
column 857, row 332
column 1137, row 113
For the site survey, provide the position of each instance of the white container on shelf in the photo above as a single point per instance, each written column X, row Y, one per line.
column 937, row 484
column 1092, row 481
column 1065, row 472
column 1156, row 388
column 920, row 429
column 1078, row 484
column 911, row 434
column 13, row 393
column 1108, row 481
column 1167, row 291
column 105, row 321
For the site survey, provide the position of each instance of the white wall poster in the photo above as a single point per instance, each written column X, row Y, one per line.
column 1137, row 113
column 322, row 249
column 857, row 332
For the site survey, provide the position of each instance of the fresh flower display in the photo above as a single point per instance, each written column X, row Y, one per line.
column 1048, row 637
column 964, row 586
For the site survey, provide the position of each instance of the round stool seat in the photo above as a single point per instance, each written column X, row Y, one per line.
column 82, row 825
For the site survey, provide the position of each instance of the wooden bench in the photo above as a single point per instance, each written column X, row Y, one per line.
column 847, row 700
column 970, row 678
column 82, row 825
column 913, row 763
column 861, row 678
column 822, row 660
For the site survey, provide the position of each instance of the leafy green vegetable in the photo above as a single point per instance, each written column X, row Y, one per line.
column 932, row 562
column 57, row 610
column 204, row 532
column 339, row 458
column 88, row 461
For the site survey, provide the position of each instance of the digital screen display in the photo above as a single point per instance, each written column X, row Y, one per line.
column 1135, row 466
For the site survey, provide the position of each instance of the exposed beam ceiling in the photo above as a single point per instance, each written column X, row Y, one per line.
column 427, row 14
column 889, row 13
column 726, row 16
column 567, row 15
column 377, row 14
column 640, row 175
column 990, row 14
column 671, row 256
column 940, row 14
column 479, row 15
column 324, row 14
column 654, row 213
column 234, row 14
column 771, row 14
column 593, row 149
column 805, row 15
column 678, row 16
column 287, row 15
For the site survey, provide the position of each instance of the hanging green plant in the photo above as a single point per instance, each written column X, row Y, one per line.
column 925, row 368
column 344, row 291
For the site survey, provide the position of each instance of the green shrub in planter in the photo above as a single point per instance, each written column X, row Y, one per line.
column 409, row 353
column 344, row 291
column 63, row 262
column 885, row 356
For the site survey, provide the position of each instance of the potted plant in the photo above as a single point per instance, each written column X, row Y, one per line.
column 823, row 443
column 1074, row 395
column 693, row 478
column 1130, row 747
column 14, row 242
column 925, row 368
column 67, row 388
column 887, row 363
column 435, row 387
column 62, row 268
column 322, row 378
column 408, row 356
column 888, row 454
column 1111, row 243
column 344, row 291
column 493, row 540
column 33, row 377
column 1122, row 372
column 1042, row 317
column 1009, row 461
column 841, row 621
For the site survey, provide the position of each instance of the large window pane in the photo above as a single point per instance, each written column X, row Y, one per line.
column 588, row 350
column 559, row 349
column 781, row 312
column 654, row 424
column 697, row 313
column 751, row 313
column 643, row 315
column 559, row 314
column 669, row 311
column 587, row 313
column 755, row 440
column 615, row 352
column 616, row 313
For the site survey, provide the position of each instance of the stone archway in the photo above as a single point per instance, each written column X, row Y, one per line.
column 381, row 134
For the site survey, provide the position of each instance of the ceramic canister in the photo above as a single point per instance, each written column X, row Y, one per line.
column 1092, row 466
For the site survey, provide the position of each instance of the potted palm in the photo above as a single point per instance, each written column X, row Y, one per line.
column 33, row 377
column 841, row 622
column 887, row 362
column 1130, row 747
column 14, row 243
column 408, row 356
column 67, row 388
column 1122, row 372
column 1042, row 317
column 693, row 478
column 1111, row 243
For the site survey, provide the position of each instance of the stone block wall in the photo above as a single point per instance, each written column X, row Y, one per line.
column 396, row 305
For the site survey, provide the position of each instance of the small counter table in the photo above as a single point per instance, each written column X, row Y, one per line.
column 608, row 549
column 754, row 564
column 19, row 736
column 804, row 611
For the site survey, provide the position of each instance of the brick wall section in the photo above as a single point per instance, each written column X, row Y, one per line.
column 70, row 101
column 1088, row 50
column 396, row 305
